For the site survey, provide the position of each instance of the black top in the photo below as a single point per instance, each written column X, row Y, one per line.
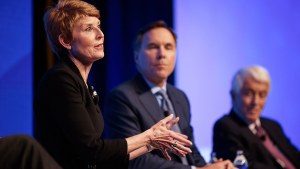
column 69, row 123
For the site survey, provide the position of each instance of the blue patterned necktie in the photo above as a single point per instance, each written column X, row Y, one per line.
column 168, row 109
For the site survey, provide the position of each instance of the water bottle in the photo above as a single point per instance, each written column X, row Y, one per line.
column 240, row 160
column 213, row 157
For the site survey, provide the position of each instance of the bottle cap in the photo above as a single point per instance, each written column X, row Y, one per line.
column 239, row 152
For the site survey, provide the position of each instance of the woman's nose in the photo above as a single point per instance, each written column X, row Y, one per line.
column 100, row 34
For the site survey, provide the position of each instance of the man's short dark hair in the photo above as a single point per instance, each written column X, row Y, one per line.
column 153, row 25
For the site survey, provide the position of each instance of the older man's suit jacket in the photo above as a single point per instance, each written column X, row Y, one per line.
column 69, row 123
column 132, row 109
column 231, row 133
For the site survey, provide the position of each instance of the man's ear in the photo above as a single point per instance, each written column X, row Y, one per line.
column 64, row 42
column 136, row 56
column 232, row 94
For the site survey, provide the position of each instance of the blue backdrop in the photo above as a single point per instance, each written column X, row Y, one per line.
column 16, row 67
column 216, row 38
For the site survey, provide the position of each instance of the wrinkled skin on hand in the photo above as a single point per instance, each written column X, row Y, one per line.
column 165, row 139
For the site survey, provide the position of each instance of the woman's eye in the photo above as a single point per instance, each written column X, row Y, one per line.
column 88, row 29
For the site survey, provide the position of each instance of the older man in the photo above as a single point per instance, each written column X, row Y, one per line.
column 263, row 141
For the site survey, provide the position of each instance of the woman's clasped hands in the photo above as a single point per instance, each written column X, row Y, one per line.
column 166, row 140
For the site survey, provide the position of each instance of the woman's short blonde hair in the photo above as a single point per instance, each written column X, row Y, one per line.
column 59, row 20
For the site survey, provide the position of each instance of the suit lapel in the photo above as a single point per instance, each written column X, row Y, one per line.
column 243, row 126
column 150, row 103
column 276, row 138
column 147, row 99
column 176, row 105
column 248, row 133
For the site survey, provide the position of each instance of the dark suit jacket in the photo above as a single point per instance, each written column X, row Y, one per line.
column 132, row 109
column 232, row 134
column 69, row 124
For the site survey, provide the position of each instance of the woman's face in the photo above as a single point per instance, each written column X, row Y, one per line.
column 87, row 43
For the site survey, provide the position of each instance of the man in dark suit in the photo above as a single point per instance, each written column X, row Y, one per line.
column 137, row 104
column 23, row 152
column 262, row 140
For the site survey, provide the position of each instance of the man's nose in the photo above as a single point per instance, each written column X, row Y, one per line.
column 161, row 52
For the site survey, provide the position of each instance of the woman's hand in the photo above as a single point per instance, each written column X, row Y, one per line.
column 161, row 137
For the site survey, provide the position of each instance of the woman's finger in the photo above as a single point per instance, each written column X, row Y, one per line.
column 181, row 138
column 172, row 122
column 165, row 153
column 171, row 145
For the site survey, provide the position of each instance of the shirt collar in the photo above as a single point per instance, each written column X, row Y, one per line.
column 251, row 126
column 154, row 88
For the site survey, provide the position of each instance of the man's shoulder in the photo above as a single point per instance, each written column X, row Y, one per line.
column 224, row 119
column 228, row 120
column 173, row 89
column 266, row 121
column 129, row 85
column 230, row 116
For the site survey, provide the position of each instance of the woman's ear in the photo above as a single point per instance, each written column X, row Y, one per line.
column 64, row 42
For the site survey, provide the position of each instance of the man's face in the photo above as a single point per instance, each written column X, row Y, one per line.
column 251, row 99
column 157, row 55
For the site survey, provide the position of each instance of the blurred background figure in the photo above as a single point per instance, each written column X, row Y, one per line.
column 262, row 140
column 142, row 101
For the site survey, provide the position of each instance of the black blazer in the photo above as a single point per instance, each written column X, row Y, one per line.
column 69, row 123
column 232, row 134
column 132, row 109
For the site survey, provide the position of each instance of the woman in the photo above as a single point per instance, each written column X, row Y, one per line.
column 69, row 121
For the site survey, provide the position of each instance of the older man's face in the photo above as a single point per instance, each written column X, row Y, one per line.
column 251, row 99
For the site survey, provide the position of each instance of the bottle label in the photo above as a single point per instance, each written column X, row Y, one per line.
column 244, row 166
column 241, row 164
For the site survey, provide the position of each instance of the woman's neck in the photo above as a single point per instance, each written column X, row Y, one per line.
column 83, row 68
